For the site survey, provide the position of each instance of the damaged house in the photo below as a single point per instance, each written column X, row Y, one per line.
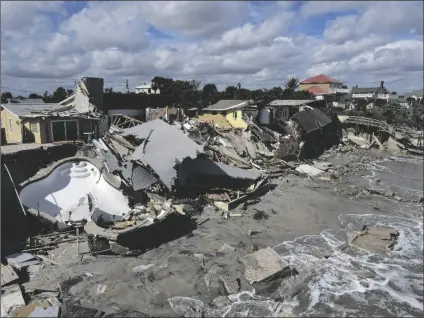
column 226, row 114
column 75, row 118
column 282, row 110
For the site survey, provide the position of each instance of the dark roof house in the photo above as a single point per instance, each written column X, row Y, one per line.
column 370, row 90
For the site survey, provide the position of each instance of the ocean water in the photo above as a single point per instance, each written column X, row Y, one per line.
column 353, row 282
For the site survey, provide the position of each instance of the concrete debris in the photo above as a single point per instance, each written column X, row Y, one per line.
column 226, row 247
column 309, row 170
column 8, row 275
column 22, row 260
column 375, row 240
column 11, row 299
column 264, row 265
column 163, row 173
column 141, row 269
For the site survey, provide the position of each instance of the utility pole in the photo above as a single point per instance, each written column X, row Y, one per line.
column 128, row 88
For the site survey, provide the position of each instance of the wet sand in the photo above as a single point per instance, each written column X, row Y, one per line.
column 298, row 206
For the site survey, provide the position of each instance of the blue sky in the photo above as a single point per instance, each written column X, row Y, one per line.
column 258, row 43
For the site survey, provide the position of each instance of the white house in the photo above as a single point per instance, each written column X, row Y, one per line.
column 371, row 92
column 146, row 89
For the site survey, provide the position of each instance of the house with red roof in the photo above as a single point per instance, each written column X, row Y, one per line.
column 321, row 85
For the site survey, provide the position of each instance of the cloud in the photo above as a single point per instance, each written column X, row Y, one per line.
column 314, row 8
column 382, row 18
column 195, row 18
column 250, row 35
column 254, row 43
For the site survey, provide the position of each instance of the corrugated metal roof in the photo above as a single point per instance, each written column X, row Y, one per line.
column 311, row 119
column 291, row 102
column 141, row 178
column 225, row 104
column 166, row 147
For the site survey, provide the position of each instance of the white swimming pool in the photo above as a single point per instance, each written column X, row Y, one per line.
column 75, row 191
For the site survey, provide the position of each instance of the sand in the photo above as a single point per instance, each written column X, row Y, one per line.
column 298, row 206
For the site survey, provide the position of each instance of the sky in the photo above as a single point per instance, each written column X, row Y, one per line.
column 260, row 44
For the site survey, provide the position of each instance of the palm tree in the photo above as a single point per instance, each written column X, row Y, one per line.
column 292, row 83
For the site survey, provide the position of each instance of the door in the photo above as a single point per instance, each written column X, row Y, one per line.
column 71, row 130
column 58, row 129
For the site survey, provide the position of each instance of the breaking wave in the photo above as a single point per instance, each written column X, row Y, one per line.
column 353, row 282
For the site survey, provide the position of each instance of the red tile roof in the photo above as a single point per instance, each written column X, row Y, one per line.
column 320, row 79
column 316, row 90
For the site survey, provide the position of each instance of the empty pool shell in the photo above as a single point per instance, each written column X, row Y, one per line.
column 91, row 209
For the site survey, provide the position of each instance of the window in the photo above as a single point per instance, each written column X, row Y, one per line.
column 149, row 90
column 235, row 115
column 64, row 130
column 10, row 126
column 33, row 127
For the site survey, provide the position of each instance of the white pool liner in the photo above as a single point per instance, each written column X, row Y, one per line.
column 76, row 191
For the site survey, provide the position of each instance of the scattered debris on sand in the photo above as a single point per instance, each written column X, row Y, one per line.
column 140, row 184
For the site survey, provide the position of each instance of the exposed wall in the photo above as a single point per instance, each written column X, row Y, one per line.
column 32, row 130
column 235, row 118
column 13, row 126
column 325, row 87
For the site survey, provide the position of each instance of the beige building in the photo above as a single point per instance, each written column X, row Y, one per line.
column 44, row 123
column 323, row 85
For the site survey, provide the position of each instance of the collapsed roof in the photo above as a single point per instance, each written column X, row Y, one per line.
column 163, row 147
column 311, row 120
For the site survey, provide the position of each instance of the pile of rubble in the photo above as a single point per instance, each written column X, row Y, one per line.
column 157, row 170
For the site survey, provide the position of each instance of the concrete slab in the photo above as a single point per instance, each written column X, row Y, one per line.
column 376, row 240
column 8, row 275
column 21, row 260
column 309, row 170
column 11, row 299
column 264, row 265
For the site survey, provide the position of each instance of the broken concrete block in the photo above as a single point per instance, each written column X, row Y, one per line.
column 264, row 265
column 224, row 248
column 22, row 260
column 11, row 299
column 375, row 240
column 220, row 301
column 212, row 272
column 141, row 269
column 231, row 285
column 8, row 275
column 309, row 170
column 118, row 249
column 292, row 286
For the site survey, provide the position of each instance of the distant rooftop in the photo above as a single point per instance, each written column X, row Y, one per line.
column 226, row 104
column 291, row 102
column 320, row 79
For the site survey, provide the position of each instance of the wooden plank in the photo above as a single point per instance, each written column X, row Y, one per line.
column 8, row 275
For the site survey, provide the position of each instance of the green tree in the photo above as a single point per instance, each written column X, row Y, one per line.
column 292, row 84
column 5, row 96
column 59, row 95
column 35, row 96
column 164, row 84
column 210, row 94
column 230, row 92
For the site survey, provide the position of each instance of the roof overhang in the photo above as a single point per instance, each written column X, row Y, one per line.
column 240, row 105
